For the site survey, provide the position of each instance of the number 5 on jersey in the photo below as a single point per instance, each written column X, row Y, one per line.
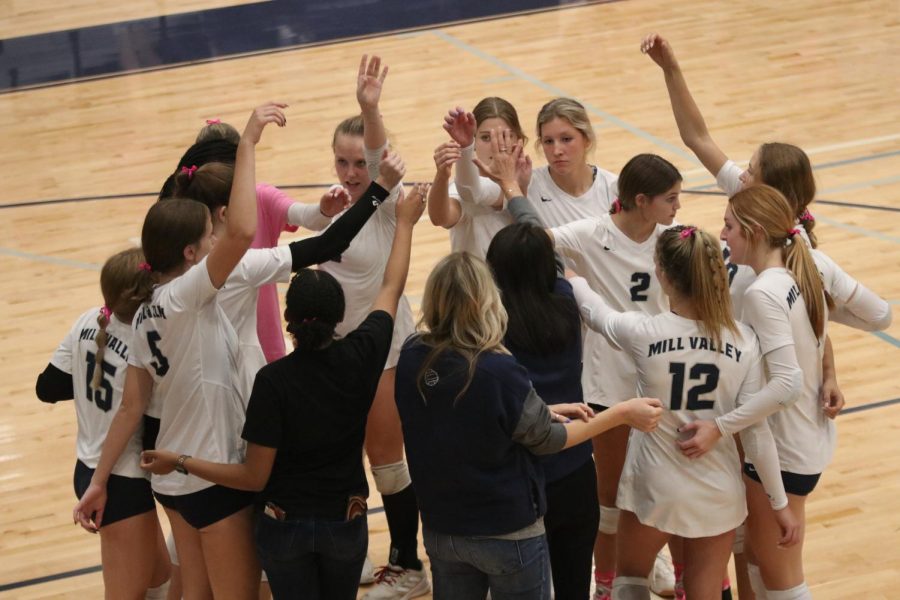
column 161, row 364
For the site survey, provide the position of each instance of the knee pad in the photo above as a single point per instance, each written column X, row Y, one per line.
column 160, row 592
column 170, row 546
column 756, row 581
column 738, row 546
column 609, row 520
column 800, row 592
column 392, row 478
column 631, row 588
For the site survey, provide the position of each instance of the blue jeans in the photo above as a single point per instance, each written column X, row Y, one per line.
column 312, row 558
column 466, row 568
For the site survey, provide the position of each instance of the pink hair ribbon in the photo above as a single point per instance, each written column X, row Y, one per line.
column 145, row 266
column 793, row 232
column 213, row 121
column 687, row 232
column 190, row 171
column 616, row 206
column 104, row 310
column 806, row 216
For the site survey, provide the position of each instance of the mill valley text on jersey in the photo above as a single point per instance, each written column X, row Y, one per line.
column 693, row 343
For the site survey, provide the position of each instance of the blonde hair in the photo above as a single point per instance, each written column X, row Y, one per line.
column 119, row 280
column 217, row 130
column 568, row 110
column 692, row 262
column 766, row 217
column 462, row 312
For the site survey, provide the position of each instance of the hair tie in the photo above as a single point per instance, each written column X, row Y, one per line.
column 806, row 216
column 145, row 266
column 190, row 171
column 104, row 310
column 793, row 232
column 617, row 206
column 213, row 121
column 687, row 232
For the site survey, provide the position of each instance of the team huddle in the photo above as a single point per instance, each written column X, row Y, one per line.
column 588, row 381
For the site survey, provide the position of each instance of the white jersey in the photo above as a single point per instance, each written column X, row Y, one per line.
column 776, row 311
column 96, row 407
column 695, row 379
column 238, row 299
column 183, row 338
column 477, row 224
column 622, row 271
column 360, row 269
column 555, row 207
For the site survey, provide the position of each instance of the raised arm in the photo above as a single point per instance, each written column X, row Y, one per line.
column 690, row 121
column 135, row 398
column 409, row 209
column 472, row 188
column 369, row 83
column 443, row 210
column 240, row 224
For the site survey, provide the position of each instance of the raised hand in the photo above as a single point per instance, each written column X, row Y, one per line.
column 391, row 170
column 642, row 413
column 461, row 126
column 332, row 202
column 446, row 155
column 271, row 112
column 370, row 81
column 411, row 206
column 159, row 462
column 523, row 171
column 505, row 156
column 89, row 511
column 656, row 47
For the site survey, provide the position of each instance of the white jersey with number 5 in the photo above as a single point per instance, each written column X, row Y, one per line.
column 96, row 407
column 622, row 271
column 183, row 338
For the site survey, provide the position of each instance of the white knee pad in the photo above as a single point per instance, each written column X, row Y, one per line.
column 631, row 588
column 756, row 581
column 392, row 478
column 609, row 520
column 158, row 593
column 170, row 546
column 738, row 546
column 800, row 592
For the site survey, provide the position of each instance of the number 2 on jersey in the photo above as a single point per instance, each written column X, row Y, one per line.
column 642, row 281
column 705, row 371
column 161, row 364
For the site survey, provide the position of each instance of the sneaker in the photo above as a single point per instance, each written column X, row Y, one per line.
column 368, row 572
column 396, row 583
column 662, row 577
column 602, row 589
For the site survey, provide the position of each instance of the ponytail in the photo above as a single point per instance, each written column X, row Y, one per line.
column 692, row 262
column 101, row 339
column 799, row 261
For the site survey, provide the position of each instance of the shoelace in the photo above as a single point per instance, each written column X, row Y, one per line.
column 387, row 574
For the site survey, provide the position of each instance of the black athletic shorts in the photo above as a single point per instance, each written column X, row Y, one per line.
column 798, row 485
column 125, row 496
column 211, row 505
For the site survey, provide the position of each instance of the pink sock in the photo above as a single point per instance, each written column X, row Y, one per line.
column 726, row 583
column 605, row 580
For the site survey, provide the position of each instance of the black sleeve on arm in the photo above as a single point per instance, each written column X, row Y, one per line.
column 337, row 238
column 54, row 385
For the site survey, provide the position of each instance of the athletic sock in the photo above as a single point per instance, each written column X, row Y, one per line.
column 402, row 512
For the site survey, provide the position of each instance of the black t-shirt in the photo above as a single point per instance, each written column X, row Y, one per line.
column 312, row 407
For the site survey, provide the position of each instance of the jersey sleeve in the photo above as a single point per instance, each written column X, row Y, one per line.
column 63, row 356
column 617, row 327
column 261, row 266
column 768, row 318
column 571, row 238
column 263, row 425
column 759, row 447
column 729, row 178
column 855, row 305
column 373, row 160
column 192, row 290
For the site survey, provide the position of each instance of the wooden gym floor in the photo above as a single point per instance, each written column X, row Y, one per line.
column 820, row 74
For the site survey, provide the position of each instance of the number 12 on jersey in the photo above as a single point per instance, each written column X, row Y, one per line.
column 708, row 377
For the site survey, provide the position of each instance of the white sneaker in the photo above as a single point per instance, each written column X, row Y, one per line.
column 662, row 577
column 396, row 583
column 368, row 572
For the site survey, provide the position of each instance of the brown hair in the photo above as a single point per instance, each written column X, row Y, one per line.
column 461, row 312
column 568, row 110
column 169, row 227
column 692, row 262
column 786, row 168
column 119, row 279
column 646, row 174
column 352, row 126
column 493, row 107
column 765, row 217
column 209, row 184
column 218, row 131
